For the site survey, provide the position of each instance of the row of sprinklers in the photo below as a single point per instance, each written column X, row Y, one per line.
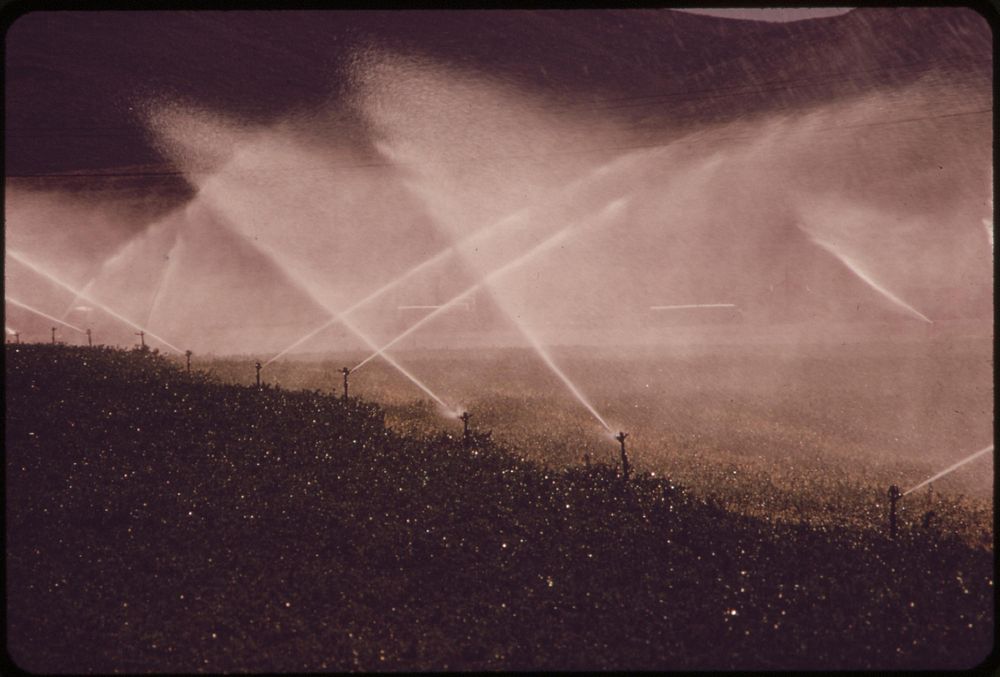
column 14, row 336
column 894, row 494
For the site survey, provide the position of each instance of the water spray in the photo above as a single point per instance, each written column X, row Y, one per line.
column 311, row 291
column 417, row 382
column 460, row 297
column 626, row 469
column 36, row 311
column 507, row 221
column 951, row 468
column 535, row 343
column 867, row 279
column 346, row 372
column 49, row 276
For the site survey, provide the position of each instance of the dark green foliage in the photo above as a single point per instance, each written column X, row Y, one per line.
column 163, row 522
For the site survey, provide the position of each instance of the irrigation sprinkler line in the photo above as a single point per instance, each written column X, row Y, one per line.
column 951, row 468
column 23, row 261
column 38, row 312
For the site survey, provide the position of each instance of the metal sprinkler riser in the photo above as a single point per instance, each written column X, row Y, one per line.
column 626, row 469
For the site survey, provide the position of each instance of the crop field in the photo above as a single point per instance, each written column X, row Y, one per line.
column 805, row 432
column 160, row 521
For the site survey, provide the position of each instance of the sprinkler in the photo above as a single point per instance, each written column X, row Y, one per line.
column 53, row 335
column 930, row 514
column 625, row 467
column 346, row 372
column 894, row 496
column 90, row 339
column 17, row 337
column 258, row 375
column 187, row 354
column 586, row 460
column 142, row 339
column 465, row 423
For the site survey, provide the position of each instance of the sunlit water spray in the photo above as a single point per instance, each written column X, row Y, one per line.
column 36, row 311
column 440, row 256
column 80, row 295
column 507, row 221
column 867, row 279
column 458, row 299
column 451, row 411
column 108, row 264
column 545, row 245
column 165, row 276
column 951, row 468
column 317, row 295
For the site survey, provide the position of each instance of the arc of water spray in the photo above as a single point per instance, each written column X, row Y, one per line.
column 49, row 276
column 951, row 468
column 454, row 301
column 337, row 317
column 545, row 245
column 171, row 263
column 867, row 279
column 505, row 221
column 36, row 311
column 312, row 293
column 417, row 382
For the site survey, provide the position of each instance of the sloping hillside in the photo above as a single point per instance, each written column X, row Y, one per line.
column 157, row 521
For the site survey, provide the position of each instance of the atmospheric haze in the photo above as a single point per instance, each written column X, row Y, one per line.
column 298, row 222
column 437, row 202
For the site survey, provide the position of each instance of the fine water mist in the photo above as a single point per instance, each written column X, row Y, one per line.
column 437, row 205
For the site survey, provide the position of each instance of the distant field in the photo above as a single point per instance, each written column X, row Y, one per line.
column 805, row 431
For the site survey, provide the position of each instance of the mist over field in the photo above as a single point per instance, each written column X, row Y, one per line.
column 764, row 250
